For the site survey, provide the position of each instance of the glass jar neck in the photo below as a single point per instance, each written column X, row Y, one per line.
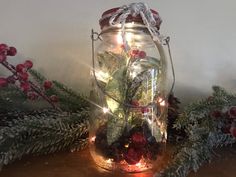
column 134, row 33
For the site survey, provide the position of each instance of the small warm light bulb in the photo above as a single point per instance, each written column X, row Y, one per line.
column 109, row 161
column 105, row 110
column 160, row 100
column 163, row 103
column 126, row 145
column 93, row 139
column 138, row 164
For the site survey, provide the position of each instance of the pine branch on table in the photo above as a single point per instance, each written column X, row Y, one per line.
column 42, row 132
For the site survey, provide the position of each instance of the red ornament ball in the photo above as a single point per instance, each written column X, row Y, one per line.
column 25, row 86
column 232, row 112
column 2, row 58
column 12, row 51
column 233, row 131
column 138, row 139
column 47, row 85
column 28, row 64
column 54, row 98
column 20, row 68
column 132, row 156
column 3, row 82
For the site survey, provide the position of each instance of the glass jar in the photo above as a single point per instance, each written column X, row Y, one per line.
column 128, row 123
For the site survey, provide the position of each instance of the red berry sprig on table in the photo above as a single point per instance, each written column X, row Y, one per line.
column 20, row 77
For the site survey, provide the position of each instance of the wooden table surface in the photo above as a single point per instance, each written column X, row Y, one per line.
column 80, row 164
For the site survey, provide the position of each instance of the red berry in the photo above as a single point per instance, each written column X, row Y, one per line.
column 144, row 110
column 134, row 53
column 132, row 156
column 2, row 58
column 3, row 82
column 54, row 98
column 20, row 68
column 32, row 96
column 25, row 86
column 232, row 112
column 47, row 84
column 138, row 139
column 142, row 54
column 11, row 79
column 28, row 64
column 3, row 48
column 216, row 114
column 24, row 76
column 233, row 131
column 12, row 51
column 135, row 103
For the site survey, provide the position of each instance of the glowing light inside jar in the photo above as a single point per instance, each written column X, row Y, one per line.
column 138, row 164
column 109, row 161
column 93, row 139
column 105, row 110
column 102, row 76
column 128, row 37
column 127, row 145
column 161, row 101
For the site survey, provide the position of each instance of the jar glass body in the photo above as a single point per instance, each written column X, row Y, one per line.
column 128, row 122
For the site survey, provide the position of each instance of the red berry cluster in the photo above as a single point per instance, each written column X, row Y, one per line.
column 131, row 147
column 228, row 118
column 20, row 76
column 134, row 54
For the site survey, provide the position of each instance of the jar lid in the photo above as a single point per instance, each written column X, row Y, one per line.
column 104, row 21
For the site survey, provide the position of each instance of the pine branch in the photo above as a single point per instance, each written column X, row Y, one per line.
column 203, row 134
column 194, row 154
column 12, row 98
column 37, row 76
column 71, row 100
column 68, row 99
column 41, row 133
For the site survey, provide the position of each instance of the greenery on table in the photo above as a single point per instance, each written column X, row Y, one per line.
column 204, row 123
column 26, row 129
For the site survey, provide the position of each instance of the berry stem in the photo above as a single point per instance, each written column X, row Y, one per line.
column 32, row 85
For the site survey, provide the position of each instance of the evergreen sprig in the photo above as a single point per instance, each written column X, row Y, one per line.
column 42, row 132
column 69, row 100
column 203, row 134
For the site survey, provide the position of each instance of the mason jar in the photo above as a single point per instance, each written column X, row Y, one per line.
column 128, row 123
